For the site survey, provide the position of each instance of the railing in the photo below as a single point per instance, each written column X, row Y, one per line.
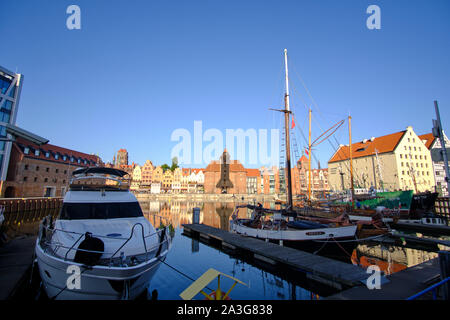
column 14, row 205
column 432, row 288
column 161, row 232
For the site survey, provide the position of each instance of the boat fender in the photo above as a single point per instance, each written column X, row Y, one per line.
column 93, row 244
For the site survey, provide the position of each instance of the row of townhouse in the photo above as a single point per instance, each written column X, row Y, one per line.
column 156, row 180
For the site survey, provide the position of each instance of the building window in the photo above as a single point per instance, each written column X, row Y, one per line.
column 35, row 179
column 37, row 152
column 401, row 164
column 47, row 154
column 26, row 167
column 46, row 180
column 57, row 170
column 72, row 159
column 56, row 156
column 47, row 169
column 79, row 161
column 25, row 178
column 409, row 140
column 26, row 150
column 65, row 171
column 401, row 156
column 37, row 168
column 64, row 158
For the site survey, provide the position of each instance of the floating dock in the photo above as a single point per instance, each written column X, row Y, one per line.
column 16, row 257
column 334, row 273
column 402, row 285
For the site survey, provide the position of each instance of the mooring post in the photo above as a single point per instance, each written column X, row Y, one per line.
column 196, row 215
column 444, row 262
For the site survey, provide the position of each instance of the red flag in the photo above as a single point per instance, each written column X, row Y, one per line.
column 306, row 150
column 293, row 123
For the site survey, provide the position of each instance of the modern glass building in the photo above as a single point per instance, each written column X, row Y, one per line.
column 10, row 88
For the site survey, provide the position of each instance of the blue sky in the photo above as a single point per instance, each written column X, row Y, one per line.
column 138, row 70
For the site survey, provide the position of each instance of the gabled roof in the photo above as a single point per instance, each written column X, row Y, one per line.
column 253, row 172
column 382, row 144
column 429, row 139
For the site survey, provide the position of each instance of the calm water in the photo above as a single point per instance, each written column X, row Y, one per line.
column 190, row 258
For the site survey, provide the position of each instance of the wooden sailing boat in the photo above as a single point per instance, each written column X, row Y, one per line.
column 285, row 226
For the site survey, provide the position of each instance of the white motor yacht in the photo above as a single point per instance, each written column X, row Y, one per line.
column 101, row 246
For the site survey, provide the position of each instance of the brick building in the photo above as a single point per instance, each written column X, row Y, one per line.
column 37, row 171
column 253, row 181
column 237, row 175
column 122, row 157
column 300, row 178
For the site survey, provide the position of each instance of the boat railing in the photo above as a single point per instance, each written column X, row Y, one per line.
column 47, row 230
column 432, row 288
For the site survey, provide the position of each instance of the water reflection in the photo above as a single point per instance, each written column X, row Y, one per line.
column 192, row 258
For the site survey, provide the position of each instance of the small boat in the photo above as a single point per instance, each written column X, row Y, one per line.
column 100, row 246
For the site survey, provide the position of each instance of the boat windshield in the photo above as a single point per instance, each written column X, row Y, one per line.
column 113, row 210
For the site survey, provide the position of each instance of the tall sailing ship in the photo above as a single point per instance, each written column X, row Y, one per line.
column 285, row 226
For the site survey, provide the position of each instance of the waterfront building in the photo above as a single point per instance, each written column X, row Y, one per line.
column 253, row 181
column 167, row 180
column 397, row 161
column 10, row 89
column 155, row 187
column 434, row 145
column 43, row 171
column 176, row 182
column 136, row 178
column 157, row 175
column 122, row 157
column 196, row 180
column 147, row 174
column 237, row 175
column 270, row 180
column 185, row 174
column 300, row 178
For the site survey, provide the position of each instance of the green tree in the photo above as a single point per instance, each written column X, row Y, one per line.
column 174, row 163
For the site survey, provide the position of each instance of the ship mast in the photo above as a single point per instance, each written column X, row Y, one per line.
column 286, row 126
column 351, row 160
column 309, row 155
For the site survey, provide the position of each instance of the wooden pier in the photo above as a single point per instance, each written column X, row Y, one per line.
column 327, row 271
column 402, row 284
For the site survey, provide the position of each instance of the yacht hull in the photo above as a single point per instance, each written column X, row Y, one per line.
column 97, row 282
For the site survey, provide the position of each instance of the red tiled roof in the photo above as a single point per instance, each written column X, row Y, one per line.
column 253, row 172
column 429, row 138
column 383, row 144
column 53, row 150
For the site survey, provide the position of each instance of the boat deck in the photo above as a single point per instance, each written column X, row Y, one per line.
column 328, row 271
